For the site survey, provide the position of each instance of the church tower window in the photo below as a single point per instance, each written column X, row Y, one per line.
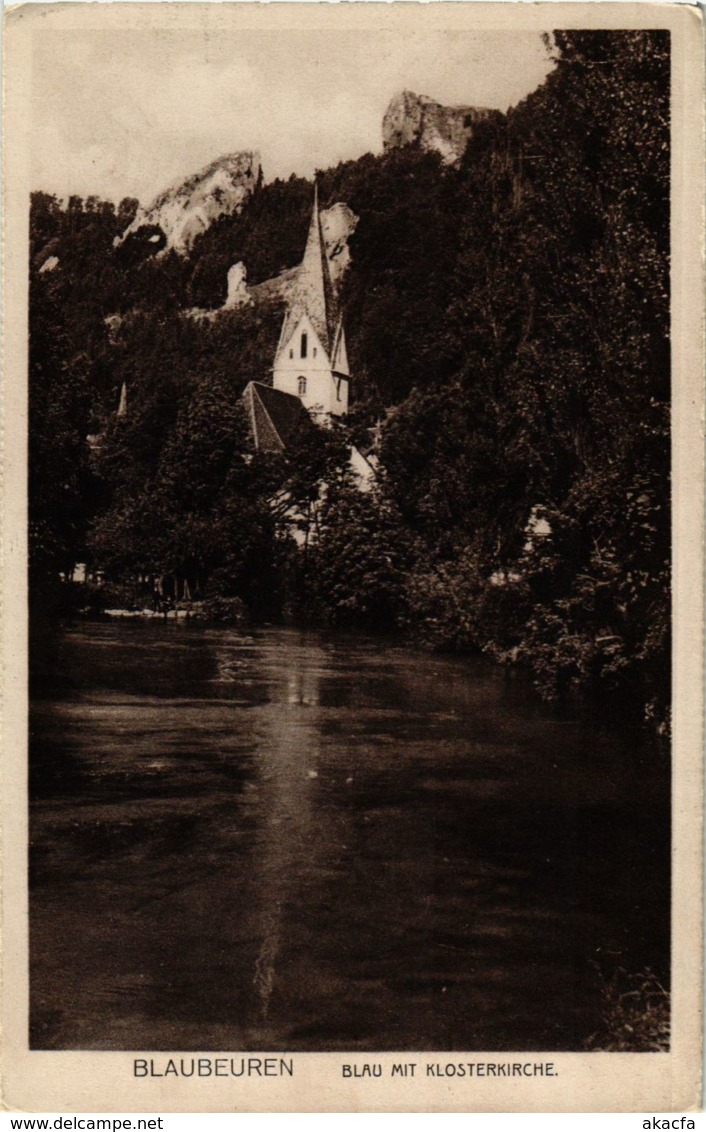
column 302, row 386
column 303, row 345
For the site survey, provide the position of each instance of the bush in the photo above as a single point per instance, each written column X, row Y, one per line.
column 443, row 601
column 226, row 610
column 635, row 1014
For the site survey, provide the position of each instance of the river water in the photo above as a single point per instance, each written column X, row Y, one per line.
column 293, row 841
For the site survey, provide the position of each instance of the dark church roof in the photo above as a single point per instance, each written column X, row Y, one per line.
column 274, row 416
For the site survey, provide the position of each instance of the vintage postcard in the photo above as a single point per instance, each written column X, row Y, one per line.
column 352, row 592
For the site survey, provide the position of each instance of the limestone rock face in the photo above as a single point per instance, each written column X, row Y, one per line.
column 188, row 208
column 414, row 119
column 49, row 264
column 338, row 223
column 238, row 293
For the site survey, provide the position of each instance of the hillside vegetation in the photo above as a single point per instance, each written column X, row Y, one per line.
column 508, row 328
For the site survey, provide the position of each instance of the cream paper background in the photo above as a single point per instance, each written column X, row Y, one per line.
column 609, row 1082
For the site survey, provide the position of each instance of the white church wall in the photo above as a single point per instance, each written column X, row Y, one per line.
column 309, row 377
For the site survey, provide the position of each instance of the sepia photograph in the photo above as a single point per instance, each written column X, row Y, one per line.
column 350, row 434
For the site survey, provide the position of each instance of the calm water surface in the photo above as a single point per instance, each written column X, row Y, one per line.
column 289, row 841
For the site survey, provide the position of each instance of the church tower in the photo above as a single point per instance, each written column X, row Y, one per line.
column 311, row 362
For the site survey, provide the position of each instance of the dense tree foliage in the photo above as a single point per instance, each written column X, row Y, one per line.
column 508, row 326
column 560, row 397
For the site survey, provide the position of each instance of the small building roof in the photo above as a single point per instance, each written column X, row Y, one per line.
column 274, row 417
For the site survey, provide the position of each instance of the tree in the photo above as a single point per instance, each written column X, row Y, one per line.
column 560, row 335
column 356, row 569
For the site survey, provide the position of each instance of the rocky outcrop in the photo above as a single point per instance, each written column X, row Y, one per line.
column 338, row 223
column 414, row 119
column 48, row 258
column 190, row 207
column 49, row 264
column 238, row 291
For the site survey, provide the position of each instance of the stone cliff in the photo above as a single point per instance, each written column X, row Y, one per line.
column 338, row 223
column 414, row 119
column 188, row 208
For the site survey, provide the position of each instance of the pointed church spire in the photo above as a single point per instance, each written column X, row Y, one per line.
column 312, row 293
column 310, row 363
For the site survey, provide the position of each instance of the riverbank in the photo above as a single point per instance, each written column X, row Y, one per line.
column 619, row 704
